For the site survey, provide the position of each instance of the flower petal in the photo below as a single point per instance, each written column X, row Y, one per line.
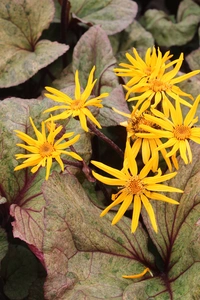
column 136, row 213
column 150, row 212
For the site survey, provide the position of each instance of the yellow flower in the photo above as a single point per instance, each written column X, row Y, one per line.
column 161, row 85
column 147, row 145
column 45, row 148
column 76, row 107
column 178, row 131
column 138, row 275
column 140, row 68
column 136, row 188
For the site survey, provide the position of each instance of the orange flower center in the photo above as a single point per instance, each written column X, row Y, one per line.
column 76, row 104
column 134, row 185
column 182, row 132
column 158, row 86
column 46, row 149
column 134, row 124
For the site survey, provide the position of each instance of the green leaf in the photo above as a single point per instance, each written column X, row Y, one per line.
column 20, row 269
column 112, row 15
column 3, row 243
column 178, row 237
column 167, row 33
column 84, row 255
column 21, row 55
column 133, row 36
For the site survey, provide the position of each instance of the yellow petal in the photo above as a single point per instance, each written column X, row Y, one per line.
column 61, row 97
column 91, row 117
column 183, row 153
column 150, row 212
column 112, row 171
column 83, row 121
column 162, row 188
column 48, row 167
column 116, row 202
column 138, row 275
column 123, row 208
column 107, row 180
column 77, row 91
column 190, row 115
column 136, row 213
column 161, row 197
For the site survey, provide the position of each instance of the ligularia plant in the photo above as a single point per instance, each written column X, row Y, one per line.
column 99, row 151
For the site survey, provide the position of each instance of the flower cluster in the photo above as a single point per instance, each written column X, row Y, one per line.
column 157, row 115
column 148, row 123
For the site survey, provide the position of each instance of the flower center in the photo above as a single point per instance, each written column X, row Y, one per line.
column 76, row 104
column 182, row 132
column 158, row 86
column 46, row 149
column 134, row 185
column 134, row 124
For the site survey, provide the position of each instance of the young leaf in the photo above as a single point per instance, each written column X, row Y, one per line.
column 178, row 237
column 21, row 25
column 113, row 16
column 84, row 255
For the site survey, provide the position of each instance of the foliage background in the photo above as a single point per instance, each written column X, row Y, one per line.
column 53, row 245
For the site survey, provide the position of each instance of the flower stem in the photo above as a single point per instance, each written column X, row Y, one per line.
column 105, row 138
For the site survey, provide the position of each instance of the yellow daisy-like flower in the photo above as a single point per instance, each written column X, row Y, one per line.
column 76, row 107
column 140, row 68
column 45, row 148
column 136, row 188
column 178, row 131
column 161, row 85
column 147, row 145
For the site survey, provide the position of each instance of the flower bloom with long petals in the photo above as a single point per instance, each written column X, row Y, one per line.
column 138, row 275
column 140, row 68
column 45, row 148
column 159, row 86
column 148, row 146
column 77, row 107
column 135, row 188
column 178, row 131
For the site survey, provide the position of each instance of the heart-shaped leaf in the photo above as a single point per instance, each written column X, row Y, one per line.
column 166, row 32
column 112, row 15
column 21, row 25
column 178, row 237
column 84, row 255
